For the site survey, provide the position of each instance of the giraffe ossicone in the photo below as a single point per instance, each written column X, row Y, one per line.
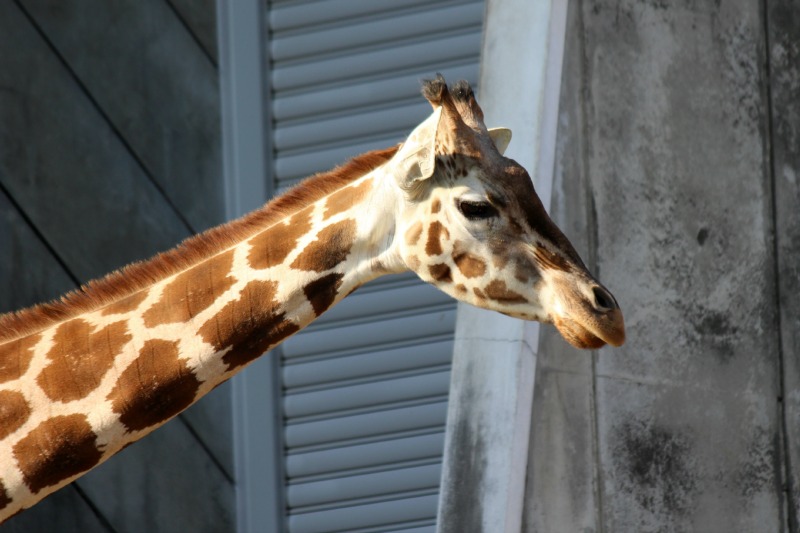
column 83, row 377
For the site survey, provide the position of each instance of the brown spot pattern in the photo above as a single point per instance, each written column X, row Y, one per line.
column 322, row 292
column 248, row 325
column 14, row 411
column 469, row 265
column 126, row 305
column 15, row 357
column 80, row 358
column 192, row 291
column 56, row 450
column 4, row 498
column 436, row 205
column 156, row 386
column 498, row 291
column 413, row 234
column 346, row 198
column 435, row 234
column 330, row 248
column 441, row 272
column 272, row 246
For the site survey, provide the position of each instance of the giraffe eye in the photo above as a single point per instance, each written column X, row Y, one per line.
column 473, row 210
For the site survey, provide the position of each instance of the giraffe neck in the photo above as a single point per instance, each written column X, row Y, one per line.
column 76, row 392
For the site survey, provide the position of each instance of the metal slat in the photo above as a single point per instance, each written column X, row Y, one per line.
column 366, row 425
column 363, row 516
column 291, row 168
column 378, row 32
column 367, row 124
column 293, row 15
column 420, row 529
column 372, row 485
column 372, row 393
column 424, row 324
column 372, row 454
column 373, row 363
column 392, row 88
column 345, row 68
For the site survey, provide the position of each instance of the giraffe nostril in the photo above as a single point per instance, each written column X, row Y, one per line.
column 603, row 301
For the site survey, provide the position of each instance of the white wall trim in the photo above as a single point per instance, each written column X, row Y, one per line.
column 494, row 362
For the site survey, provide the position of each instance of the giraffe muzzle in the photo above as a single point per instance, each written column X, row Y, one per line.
column 589, row 316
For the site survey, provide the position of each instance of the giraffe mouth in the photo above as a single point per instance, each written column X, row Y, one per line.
column 595, row 332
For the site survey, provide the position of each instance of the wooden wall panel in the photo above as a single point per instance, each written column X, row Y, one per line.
column 200, row 17
column 109, row 147
column 65, row 511
column 163, row 483
column 29, row 273
column 155, row 85
column 65, row 166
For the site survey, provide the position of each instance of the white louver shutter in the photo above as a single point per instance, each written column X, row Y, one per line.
column 365, row 387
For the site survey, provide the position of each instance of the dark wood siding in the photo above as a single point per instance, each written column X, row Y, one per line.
column 110, row 153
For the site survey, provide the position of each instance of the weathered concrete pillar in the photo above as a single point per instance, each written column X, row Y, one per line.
column 665, row 165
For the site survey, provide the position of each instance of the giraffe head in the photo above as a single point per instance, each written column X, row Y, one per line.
column 472, row 225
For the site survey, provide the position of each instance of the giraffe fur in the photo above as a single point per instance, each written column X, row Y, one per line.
column 85, row 376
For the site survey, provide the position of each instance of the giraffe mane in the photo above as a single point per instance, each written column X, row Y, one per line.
column 139, row 275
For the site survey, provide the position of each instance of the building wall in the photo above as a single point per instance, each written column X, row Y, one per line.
column 109, row 153
column 676, row 179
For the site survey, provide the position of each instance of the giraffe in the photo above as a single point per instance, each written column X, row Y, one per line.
column 83, row 377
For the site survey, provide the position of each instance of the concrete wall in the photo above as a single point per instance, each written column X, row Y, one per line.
column 677, row 179
column 109, row 153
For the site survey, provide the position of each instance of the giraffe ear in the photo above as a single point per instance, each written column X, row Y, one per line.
column 500, row 137
column 417, row 156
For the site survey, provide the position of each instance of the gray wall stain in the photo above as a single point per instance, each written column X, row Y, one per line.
column 655, row 465
column 469, row 455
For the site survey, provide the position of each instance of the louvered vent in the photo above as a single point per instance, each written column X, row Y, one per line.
column 366, row 385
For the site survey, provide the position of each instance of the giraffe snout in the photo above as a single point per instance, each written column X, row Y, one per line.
column 610, row 325
column 586, row 313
